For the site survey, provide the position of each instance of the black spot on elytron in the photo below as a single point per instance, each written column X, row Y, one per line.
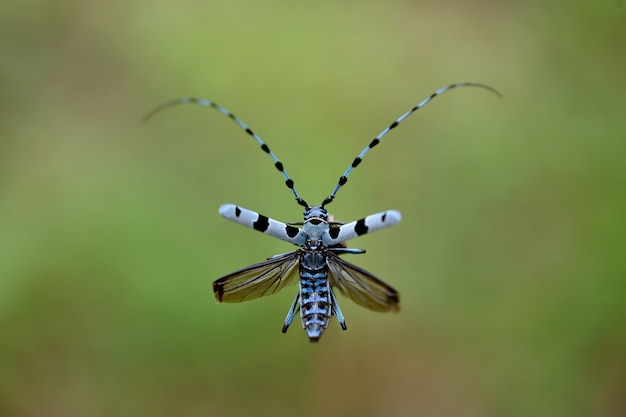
column 374, row 142
column 394, row 124
column 237, row 211
column 261, row 224
column 291, row 231
column 356, row 162
column 289, row 183
column 333, row 232
column 249, row 132
column 382, row 219
column 265, row 148
column 343, row 179
column 360, row 227
column 279, row 166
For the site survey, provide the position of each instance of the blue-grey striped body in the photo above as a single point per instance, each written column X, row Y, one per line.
column 315, row 292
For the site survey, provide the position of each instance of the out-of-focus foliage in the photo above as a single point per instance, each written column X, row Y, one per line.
column 510, row 258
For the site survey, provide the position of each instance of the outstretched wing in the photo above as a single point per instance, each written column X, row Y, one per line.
column 258, row 280
column 360, row 286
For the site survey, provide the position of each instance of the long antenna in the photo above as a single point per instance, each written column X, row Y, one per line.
column 344, row 178
column 207, row 103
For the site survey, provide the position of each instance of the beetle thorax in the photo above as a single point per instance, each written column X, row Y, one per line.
column 315, row 225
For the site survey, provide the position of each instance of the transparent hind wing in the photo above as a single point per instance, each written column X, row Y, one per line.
column 258, row 280
column 360, row 286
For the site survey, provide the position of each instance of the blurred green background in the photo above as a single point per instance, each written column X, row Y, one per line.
column 510, row 259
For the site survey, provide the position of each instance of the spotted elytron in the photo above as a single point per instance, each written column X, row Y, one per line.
column 321, row 241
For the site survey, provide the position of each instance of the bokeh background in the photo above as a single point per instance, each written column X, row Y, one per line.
column 510, row 259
